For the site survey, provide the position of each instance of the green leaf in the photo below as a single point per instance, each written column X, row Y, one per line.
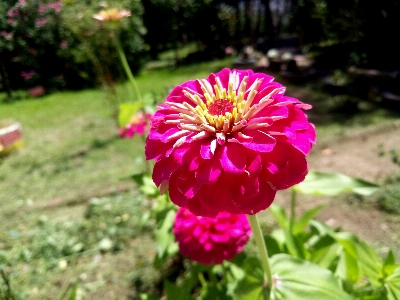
column 348, row 268
column 389, row 264
column 126, row 111
column 295, row 278
column 279, row 213
column 294, row 245
column 74, row 292
column 251, row 285
column 174, row 291
column 370, row 263
column 148, row 187
column 272, row 244
column 165, row 239
column 322, row 228
column 305, row 218
column 392, row 285
column 333, row 184
column 325, row 257
column 348, row 241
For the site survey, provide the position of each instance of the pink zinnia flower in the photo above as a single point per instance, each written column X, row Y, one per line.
column 211, row 240
column 139, row 124
column 229, row 142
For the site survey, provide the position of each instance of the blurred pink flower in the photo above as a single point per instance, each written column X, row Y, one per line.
column 27, row 75
column 36, row 91
column 211, row 240
column 229, row 142
column 228, row 50
column 139, row 124
column 41, row 22
column 64, row 44
column 7, row 35
column 12, row 13
column 56, row 6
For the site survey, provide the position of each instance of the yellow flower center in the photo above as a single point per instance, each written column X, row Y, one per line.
column 223, row 112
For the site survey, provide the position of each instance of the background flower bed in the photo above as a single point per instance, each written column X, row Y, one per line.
column 73, row 153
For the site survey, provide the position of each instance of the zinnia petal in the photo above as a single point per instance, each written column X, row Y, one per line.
column 233, row 158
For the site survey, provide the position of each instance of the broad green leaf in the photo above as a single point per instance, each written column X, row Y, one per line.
column 298, row 279
column 389, row 264
column 333, row 184
column 126, row 111
column 305, row 218
column 279, row 213
column 392, row 285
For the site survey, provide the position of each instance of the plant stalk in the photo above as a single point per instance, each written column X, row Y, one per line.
column 126, row 67
column 258, row 236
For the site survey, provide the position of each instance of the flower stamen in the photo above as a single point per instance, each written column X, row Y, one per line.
column 221, row 111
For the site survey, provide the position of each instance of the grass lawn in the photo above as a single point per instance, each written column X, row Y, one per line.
column 70, row 210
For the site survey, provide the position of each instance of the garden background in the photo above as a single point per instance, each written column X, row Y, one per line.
column 73, row 217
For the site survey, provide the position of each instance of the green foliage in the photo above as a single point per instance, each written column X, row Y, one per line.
column 60, row 44
column 309, row 259
column 332, row 184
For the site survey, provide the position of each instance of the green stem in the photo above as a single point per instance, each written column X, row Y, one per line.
column 126, row 67
column 202, row 280
column 255, row 226
column 292, row 210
